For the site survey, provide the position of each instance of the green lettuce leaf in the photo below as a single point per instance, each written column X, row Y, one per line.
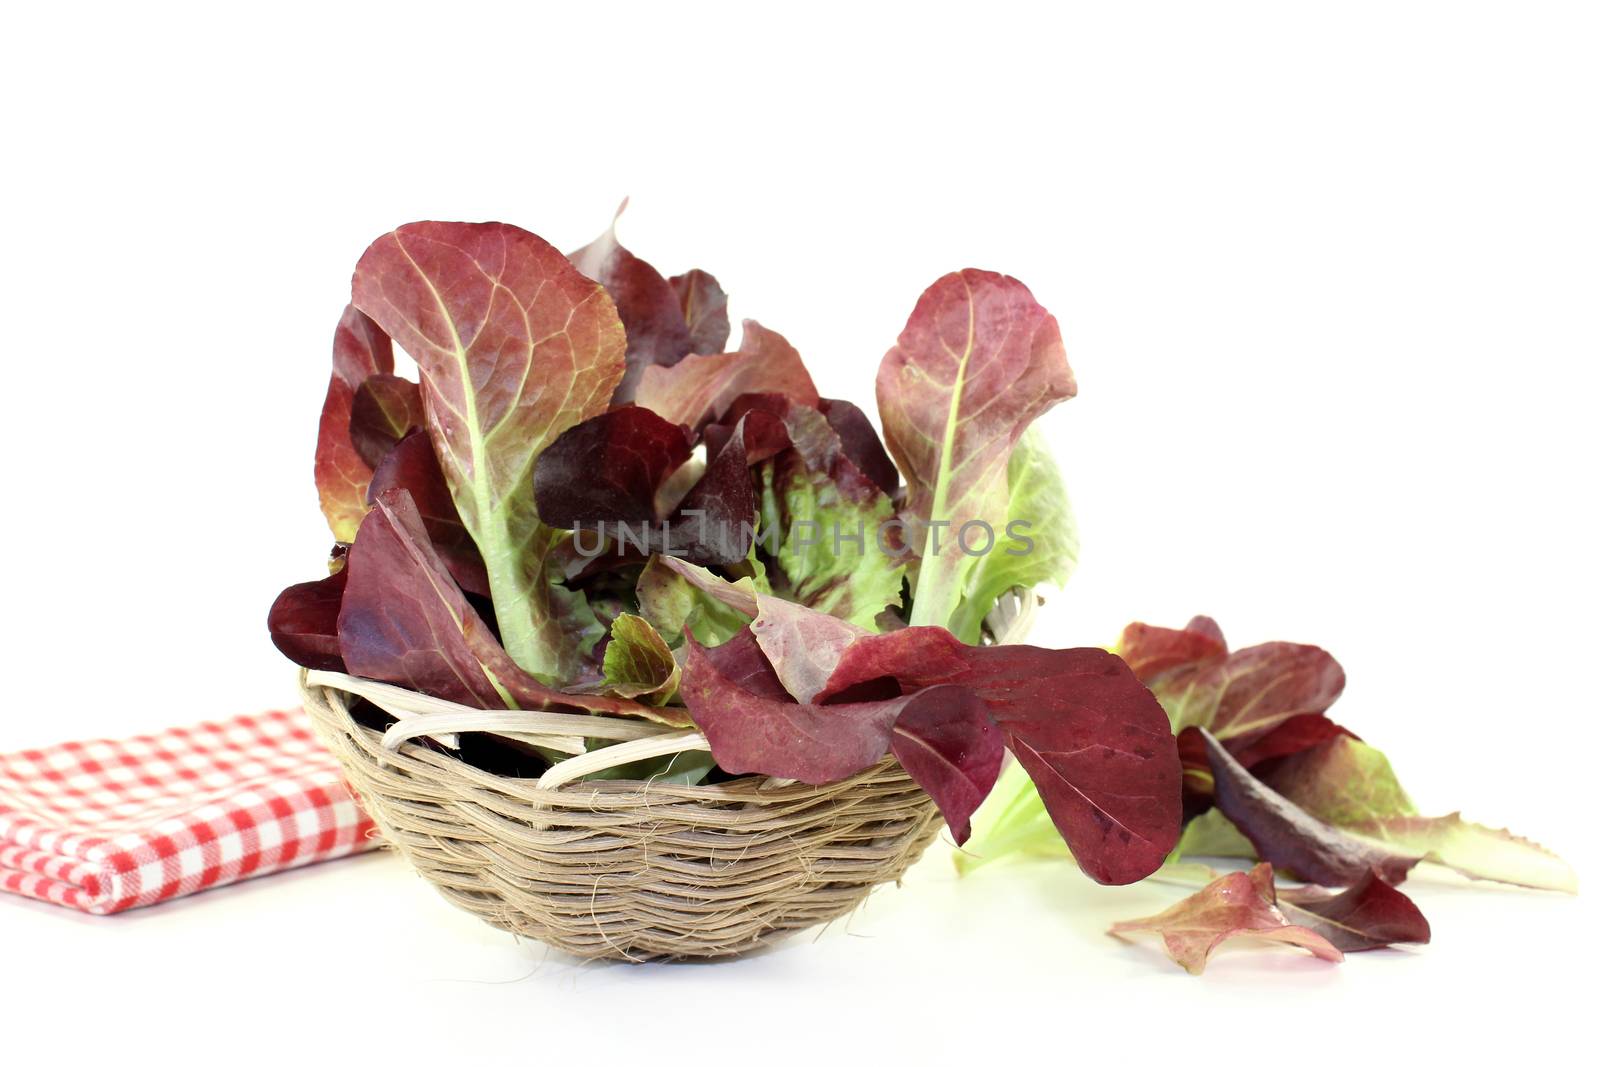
column 827, row 515
column 1044, row 551
column 638, row 663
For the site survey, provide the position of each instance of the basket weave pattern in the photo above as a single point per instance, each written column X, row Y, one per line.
column 633, row 870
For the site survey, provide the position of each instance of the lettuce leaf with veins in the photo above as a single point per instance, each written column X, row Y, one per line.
column 515, row 346
column 977, row 362
column 1037, row 546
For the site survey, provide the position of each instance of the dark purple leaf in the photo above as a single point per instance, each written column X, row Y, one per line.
column 705, row 310
column 608, row 469
column 1293, row 735
column 647, row 304
column 1089, row 734
column 304, row 622
column 861, row 443
column 411, row 465
column 741, row 662
column 1370, row 914
column 385, row 409
column 1288, row 838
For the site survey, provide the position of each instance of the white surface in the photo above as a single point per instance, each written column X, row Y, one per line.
column 1328, row 282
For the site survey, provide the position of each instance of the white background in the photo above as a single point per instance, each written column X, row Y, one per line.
column 1328, row 281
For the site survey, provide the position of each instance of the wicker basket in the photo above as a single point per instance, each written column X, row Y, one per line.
column 632, row 870
column 622, row 869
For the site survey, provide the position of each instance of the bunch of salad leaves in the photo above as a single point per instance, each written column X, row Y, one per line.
column 1268, row 776
column 587, row 500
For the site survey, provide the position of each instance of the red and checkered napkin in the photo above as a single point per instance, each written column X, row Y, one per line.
column 104, row 826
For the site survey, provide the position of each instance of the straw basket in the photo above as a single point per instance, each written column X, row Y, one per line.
column 631, row 870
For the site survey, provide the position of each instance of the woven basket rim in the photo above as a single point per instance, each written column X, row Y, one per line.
column 745, row 789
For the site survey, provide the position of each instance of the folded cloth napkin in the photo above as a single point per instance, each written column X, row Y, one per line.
column 104, row 826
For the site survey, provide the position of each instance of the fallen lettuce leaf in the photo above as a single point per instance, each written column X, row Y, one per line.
column 515, row 346
column 1091, row 737
column 1350, row 785
column 1240, row 904
column 360, row 350
column 1370, row 914
column 978, row 361
column 1290, row 838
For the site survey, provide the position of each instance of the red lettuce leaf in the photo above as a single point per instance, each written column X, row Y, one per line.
column 515, row 346
column 755, row 734
column 1151, row 651
column 1097, row 747
column 405, row 621
column 979, row 359
column 701, row 388
column 647, row 304
column 941, row 735
column 953, row 750
column 1370, row 914
column 304, row 622
column 608, row 469
column 705, row 310
column 715, row 524
column 385, row 409
column 360, row 350
column 1286, row 836
column 1092, row 738
column 1240, row 904
column 412, row 465
column 739, row 661
column 1294, row 735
